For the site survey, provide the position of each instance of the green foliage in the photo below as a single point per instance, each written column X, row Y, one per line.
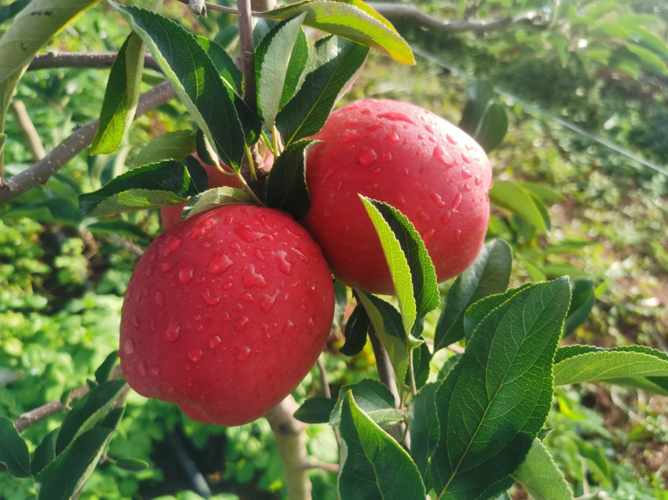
column 374, row 399
column 286, row 187
column 175, row 146
column 13, row 450
column 540, row 476
column 214, row 198
column 355, row 332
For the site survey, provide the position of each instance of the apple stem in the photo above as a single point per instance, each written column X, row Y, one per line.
column 251, row 163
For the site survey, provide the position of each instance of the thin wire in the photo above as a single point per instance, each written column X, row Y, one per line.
column 543, row 114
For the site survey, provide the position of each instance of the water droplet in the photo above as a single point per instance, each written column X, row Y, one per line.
column 241, row 324
column 173, row 330
column 478, row 180
column 186, row 274
column 155, row 370
column 376, row 170
column 135, row 321
column 466, row 173
column 426, row 235
column 247, row 297
column 446, row 217
column 424, row 216
column 171, row 247
column 200, row 279
column 214, row 341
column 386, row 158
column 154, row 257
column 374, row 127
column 466, row 158
column 227, row 286
column 289, row 326
column 165, row 267
column 400, row 200
column 350, row 135
column 441, row 155
column 300, row 255
column 267, row 301
column 235, row 246
column 310, row 323
column 392, row 137
column 142, row 368
column 367, row 157
column 250, row 235
column 456, row 202
column 397, row 117
column 129, row 346
column 226, row 317
column 420, row 137
column 242, row 353
column 210, row 299
column 195, row 354
column 219, row 264
column 428, row 129
column 437, row 198
column 451, row 139
column 149, row 272
column 352, row 122
column 406, row 171
column 251, row 278
column 458, row 235
column 283, row 263
column 237, row 307
column 145, row 292
column 160, row 299
column 467, row 186
column 366, row 111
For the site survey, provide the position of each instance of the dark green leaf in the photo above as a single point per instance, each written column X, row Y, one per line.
column 376, row 466
column 90, row 410
column 272, row 59
column 131, row 464
column 596, row 454
column 540, row 477
column 286, row 187
column 488, row 275
column 374, row 399
column 424, row 430
column 496, row 399
column 216, row 197
column 223, row 62
column 351, row 19
column 9, row 11
column 316, row 410
column 170, row 146
column 421, row 359
column 356, row 329
column 207, row 96
column 121, row 97
column 13, row 450
column 45, row 453
column 150, row 186
column 581, row 305
column 106, row 369
column 119, row 227
column 197, row 173
column 251, row 122
column 296, row 67
column 479, row 96
column 332, row 63
column 340, row 304
column 113, row 418
column 411, row 268
column 72, row 468
column 449, row 364
column 204, row 150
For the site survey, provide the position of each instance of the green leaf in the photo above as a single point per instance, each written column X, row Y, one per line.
column 582, row 302
column 113, row 418
column 119, row 227
column 374, row 399
column 556, row 270
column 131, row 464
column 412, row 271
column 421, row 359
column 286, row 186
column 223, row 62
column 32, row 29
column 517, row 200
column 376, row 466
column 106, row 369
column 90, row 410
column 170, row 146
column 340, row 304
column 150, row 186
column 479, row 96
column 587, row 364
column 67, row 474
column 356, row 330
column 45, row 453
column 495, row 400
column 332, row 64
column 447, row 367
column 351, row 19
column 648, row 60
column 272, row 59
column 492, row 128
column 316, row 410
column 566, row 246
column 296, row 67
column 488, row 275
column 9, row 11
column 534, row 271
column 614, row 30
column 3, row 139
column 120, row 97
column 13, row 450
column 560, row 44
column 541, row 192
column 424, row 430
column 207, row 96
column 540, row 477
column 647, row 39
column 389, row 327
column 216, row 197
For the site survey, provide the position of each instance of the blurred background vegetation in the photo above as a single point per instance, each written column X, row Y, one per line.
column 598, row 65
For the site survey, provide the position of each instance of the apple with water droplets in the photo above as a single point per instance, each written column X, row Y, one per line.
column 410, row 158
column 226, row 313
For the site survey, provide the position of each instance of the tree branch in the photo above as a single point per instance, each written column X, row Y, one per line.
column 393, row 11
column 28, row 129
column 95, row 60
column 385, row 371
column 41, row 171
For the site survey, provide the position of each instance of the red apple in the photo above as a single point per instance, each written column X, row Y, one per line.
column 408, row 157
column 226, row 313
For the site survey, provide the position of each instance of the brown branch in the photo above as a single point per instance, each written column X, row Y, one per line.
column 246, row 52
column 26, row 126
column 385, row 370
column 92, row 60
column 45, row 411
column 394, row 11
column 41, row 171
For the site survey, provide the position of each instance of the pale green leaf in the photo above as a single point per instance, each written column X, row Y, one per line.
column 517, row 200
column 374, row 399
column 170, row 146
column 216, row 197
column 540, row 477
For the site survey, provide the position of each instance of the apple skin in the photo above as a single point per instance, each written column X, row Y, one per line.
column 408, row 157
column 226, row 313
column 172, row 214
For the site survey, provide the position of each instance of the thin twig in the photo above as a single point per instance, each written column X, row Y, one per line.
column 385, row 371
column 247, row 50
column 128, row 245
column 412, row 374
column 323, row 379
column 91, row 60
column 26, row 126
column 324, row 466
